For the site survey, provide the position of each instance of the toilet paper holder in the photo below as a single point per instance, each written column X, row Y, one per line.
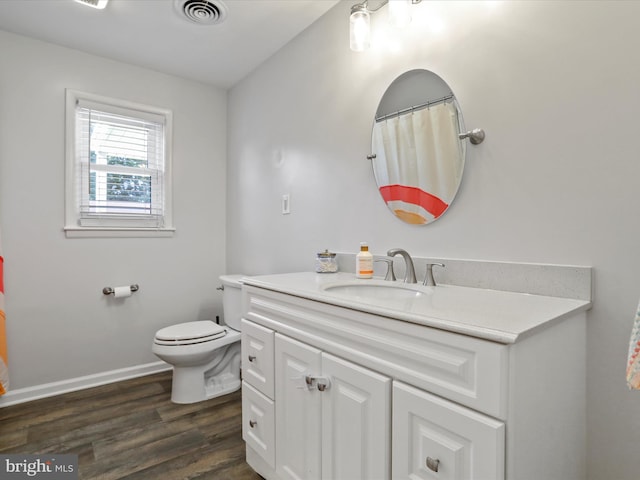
column 110, row 290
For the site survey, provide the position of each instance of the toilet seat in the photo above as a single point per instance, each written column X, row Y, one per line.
column 190, row 333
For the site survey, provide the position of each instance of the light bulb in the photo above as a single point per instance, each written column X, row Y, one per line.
column 359, row 29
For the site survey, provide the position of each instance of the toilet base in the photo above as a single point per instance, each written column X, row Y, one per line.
column 182, row 390
column 222, row 386
column 191, row 385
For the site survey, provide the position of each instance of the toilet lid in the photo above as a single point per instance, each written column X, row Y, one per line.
column 190, row 332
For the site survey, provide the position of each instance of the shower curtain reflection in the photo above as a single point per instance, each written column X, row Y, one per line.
column 419, row 161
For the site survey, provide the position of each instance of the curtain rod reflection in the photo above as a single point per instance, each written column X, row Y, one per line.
column 415, row 107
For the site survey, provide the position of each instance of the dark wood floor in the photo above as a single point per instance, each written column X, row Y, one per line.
column 131, row 430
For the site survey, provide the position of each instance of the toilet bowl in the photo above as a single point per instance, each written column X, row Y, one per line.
column 205, row 356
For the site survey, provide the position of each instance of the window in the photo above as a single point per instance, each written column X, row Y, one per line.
column 118, row 178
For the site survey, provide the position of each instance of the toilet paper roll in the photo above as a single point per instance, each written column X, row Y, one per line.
column 120, row 292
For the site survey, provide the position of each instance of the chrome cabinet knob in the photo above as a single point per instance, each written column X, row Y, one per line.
column 252, row 358
column 433, row 464
column 322, row 383
column 252, row 423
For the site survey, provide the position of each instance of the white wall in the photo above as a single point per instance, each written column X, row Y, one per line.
column 555, row 86
column 60, row 325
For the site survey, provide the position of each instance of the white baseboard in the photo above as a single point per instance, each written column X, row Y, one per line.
column 13, row 397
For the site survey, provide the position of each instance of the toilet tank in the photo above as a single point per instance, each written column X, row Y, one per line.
column 232, row 300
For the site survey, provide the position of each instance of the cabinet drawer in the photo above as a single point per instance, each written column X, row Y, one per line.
column 434, row 438
column 258, row 423
column 257, row 357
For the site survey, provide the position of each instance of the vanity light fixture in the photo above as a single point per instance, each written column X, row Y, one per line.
column 360, row 20
column 359, row 28
column 99, row 4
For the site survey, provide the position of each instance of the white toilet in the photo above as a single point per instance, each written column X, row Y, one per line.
column 205, row 356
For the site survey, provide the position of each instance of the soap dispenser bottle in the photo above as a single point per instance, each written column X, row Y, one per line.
column 364, row 262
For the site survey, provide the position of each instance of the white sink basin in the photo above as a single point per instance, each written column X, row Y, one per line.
column 378, row 291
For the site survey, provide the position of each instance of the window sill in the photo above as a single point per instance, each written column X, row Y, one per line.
column 113, row 232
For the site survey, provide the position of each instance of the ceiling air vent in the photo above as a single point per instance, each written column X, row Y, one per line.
column 202, row 12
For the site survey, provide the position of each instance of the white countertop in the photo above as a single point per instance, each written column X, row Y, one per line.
column 498, row 316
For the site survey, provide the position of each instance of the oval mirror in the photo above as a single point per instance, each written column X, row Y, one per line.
column 418, row 158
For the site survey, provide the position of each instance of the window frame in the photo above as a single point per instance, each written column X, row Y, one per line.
column 107, row 226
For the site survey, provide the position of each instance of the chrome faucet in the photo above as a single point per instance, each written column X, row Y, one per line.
column 410, row 272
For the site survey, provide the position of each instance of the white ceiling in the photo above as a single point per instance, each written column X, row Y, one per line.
column 151, row 33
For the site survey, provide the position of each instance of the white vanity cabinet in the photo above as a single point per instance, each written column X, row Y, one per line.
column 333, row 416
column 357, row 395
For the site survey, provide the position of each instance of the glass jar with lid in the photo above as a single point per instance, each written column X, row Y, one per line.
column 326, row 262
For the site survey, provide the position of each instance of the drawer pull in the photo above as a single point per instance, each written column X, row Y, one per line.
column 432, row 464
column 252, row 423
column 252, row 358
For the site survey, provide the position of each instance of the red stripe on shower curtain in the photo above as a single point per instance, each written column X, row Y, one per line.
column 415, row 196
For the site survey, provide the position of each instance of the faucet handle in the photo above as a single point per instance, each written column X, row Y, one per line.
column 391, row 276
column 429, row 281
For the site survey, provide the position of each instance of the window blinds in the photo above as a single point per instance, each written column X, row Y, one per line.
column 120, row 159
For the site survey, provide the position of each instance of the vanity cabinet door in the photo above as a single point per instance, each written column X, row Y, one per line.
column 257, row 357
column 356, row 419
column 298, row 410
column 333, row 417
column 436, row 439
